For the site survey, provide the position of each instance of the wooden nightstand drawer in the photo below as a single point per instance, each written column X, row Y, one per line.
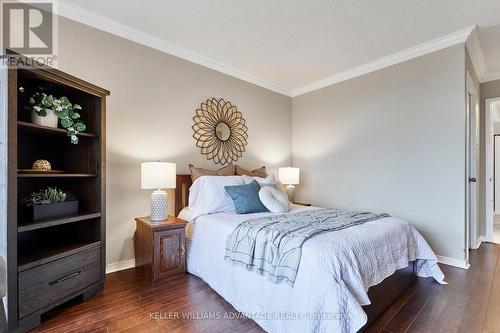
column 160, row 247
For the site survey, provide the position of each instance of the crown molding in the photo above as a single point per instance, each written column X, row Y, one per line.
column 469, row 36
column 493, row 76
column 390, row 60
column 478, row 59
column 476, row 54
column 103, row 23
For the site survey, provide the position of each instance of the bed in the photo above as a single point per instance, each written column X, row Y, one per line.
column 345, row 280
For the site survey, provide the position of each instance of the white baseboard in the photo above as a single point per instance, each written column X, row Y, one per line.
column 453, row 262
column 120, row 266
column 479, row 241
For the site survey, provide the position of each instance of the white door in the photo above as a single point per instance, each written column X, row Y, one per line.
column 492, row 163
column 472, row 167
column 497, row 175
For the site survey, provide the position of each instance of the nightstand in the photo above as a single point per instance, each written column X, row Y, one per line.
column 160, row 247
column 302, row 203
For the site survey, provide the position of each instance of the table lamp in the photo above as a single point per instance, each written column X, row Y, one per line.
column 158, row 176
column 289, row 177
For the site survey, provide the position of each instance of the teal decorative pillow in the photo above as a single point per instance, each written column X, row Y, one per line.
column 246, row 198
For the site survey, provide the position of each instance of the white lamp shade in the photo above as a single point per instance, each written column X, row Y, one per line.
column 289, row 176
column 158, row 175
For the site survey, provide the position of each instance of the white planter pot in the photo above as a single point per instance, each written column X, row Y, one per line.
column 50, row 120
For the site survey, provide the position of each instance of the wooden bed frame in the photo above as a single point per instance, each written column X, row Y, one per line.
column 182, row 185
column 381, row 295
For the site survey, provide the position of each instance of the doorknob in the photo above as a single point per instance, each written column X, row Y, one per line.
column 472, row 179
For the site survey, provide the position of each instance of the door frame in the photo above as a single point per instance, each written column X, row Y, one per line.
column 489, row 165
column 470, row 228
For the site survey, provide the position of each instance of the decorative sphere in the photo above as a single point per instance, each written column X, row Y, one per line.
column 42, row 165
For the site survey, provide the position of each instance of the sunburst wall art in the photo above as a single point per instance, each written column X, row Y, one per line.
column 220, row 131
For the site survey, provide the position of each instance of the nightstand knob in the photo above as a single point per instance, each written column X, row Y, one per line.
column 182, row 250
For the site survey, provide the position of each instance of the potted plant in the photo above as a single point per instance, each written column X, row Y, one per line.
column 50, row 203
column 46, row 110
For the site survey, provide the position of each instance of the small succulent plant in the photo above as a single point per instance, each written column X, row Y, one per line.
column 48, row 196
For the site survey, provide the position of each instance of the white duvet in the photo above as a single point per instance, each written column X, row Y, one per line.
column 335, row 272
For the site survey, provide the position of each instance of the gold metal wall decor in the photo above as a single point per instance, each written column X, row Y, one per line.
column 220, row 131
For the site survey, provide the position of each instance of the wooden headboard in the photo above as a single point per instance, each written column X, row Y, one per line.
column 183, row 183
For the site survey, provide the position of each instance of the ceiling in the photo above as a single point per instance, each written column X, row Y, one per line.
column 295, row 43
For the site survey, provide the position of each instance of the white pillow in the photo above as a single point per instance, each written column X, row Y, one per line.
column 207, row 195
column 269, row 180
column 185, row 214
column 273, row 199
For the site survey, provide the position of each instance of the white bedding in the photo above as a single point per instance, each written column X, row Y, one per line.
column 335, row 272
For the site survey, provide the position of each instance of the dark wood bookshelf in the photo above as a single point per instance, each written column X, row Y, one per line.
column 50, row 252
column 23, row 227
column 55, row 175
column 26, row 126
column 54, row 249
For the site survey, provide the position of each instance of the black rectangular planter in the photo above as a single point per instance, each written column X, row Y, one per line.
column 54, row 210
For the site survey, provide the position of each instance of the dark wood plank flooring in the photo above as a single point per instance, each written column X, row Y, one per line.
column 469, row 304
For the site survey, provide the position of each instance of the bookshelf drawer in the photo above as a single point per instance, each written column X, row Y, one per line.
column 44, row 285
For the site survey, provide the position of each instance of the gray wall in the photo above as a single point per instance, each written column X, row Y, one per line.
column 149, row 117
column 489, row 90
column 348, row 138
column 392, row 141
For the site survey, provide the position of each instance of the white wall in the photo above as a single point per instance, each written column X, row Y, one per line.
column 149, row 117
column 391, row 141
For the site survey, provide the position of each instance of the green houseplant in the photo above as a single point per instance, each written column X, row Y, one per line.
column 46, row 110
column 50, row 203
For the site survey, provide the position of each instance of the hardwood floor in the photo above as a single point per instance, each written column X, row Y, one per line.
column 469, row 303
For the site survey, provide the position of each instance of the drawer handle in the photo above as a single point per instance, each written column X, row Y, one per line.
column 64, row 278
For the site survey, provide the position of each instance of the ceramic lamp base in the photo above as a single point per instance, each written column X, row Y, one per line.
column 159, row 205
column 290, row 191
